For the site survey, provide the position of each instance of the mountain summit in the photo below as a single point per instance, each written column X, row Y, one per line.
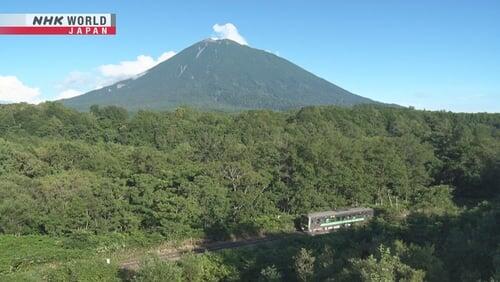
column 220, row 74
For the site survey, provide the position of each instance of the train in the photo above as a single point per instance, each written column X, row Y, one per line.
column 329, row 221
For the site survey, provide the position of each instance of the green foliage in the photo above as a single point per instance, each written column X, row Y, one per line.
column 436, row 199
column 461, row 246
column 496, row 262
column 270, row 274
column 422, row 257
column 304, row 265
column 203, row 268
column 193, row 268
column 19, row 253
column 155, row 270
column 385, row 267
column 92, row 181
column 88, row 270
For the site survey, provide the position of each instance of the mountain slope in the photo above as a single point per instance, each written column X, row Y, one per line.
column 220, row 74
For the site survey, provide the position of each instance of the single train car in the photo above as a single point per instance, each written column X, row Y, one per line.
column 328, row 221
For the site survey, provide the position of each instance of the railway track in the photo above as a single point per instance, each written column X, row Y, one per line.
column 210, row 247
column 217, row 246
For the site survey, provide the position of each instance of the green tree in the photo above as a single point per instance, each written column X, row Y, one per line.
column 270, row 274
column 304, row 265
column 385, row 267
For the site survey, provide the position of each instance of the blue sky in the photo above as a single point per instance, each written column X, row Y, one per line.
column 429, row 54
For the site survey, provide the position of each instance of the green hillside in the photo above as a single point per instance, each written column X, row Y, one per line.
column 220, row 74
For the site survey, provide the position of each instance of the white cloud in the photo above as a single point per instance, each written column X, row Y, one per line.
column 127, row 69
column 78, row 82
column 70, row 93
column 229, row 31
column 165, row 56
column 13, row 90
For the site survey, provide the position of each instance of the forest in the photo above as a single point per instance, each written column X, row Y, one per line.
column 78, row 185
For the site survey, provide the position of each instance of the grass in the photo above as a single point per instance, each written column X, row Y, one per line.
column 19, row 253
column 37, row 257
column 30, row 257
column 43, row 258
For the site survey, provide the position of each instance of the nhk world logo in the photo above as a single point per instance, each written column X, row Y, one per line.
column 59, row 24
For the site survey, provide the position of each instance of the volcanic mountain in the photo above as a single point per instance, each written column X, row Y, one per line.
column 220, row 75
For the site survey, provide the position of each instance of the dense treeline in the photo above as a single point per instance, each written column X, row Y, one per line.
column 186, row 173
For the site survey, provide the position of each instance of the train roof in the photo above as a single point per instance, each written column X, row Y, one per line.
column 338, row 212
